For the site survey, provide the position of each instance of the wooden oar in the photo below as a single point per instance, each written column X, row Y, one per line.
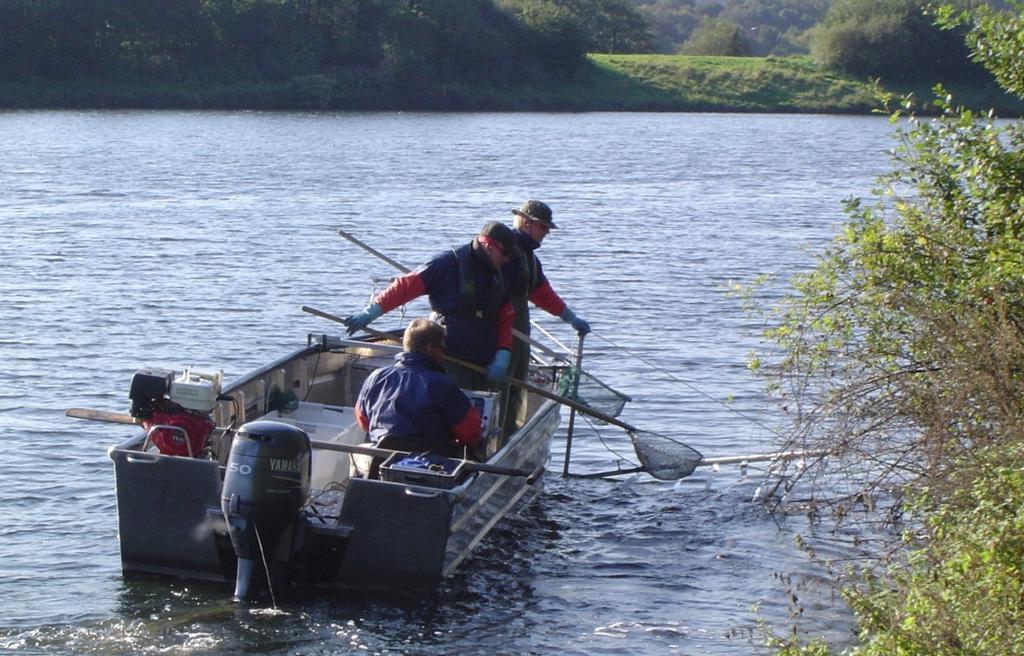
column 100, row 415
column 530, row 476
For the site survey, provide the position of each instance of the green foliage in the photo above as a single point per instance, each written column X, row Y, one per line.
column 554, row 38
column 889, row 344
column 996, row 39
column 903, row 352
column 890, row 340
column 31, row 30
column 959, row 589
column 771, row 27
column 571, row 27
column 611, row 26
column 715, row 36
column 888, row 39
column 393, row 45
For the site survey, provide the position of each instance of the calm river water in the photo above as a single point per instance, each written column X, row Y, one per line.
column 135, row 239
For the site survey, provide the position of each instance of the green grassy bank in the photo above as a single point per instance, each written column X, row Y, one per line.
column 751, row 84
column 665, row 83
column 696, row 84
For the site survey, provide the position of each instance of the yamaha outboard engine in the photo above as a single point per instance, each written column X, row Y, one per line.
column 265, row 487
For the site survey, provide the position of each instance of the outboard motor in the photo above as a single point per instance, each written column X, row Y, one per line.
column 265, row 487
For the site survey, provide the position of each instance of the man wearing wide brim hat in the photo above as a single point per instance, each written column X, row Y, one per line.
column 525, row 275
column 528, row 284
column 534, row 210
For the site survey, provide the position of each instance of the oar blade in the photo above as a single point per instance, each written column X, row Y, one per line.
column 663, row 457
column 100, row 415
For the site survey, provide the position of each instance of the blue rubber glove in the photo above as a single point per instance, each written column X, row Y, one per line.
column 569, row 317
column 362, row 319
column 496, row 370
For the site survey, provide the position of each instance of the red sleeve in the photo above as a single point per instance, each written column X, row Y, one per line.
column 546, row 299
column 401, row 290
column 361, row 419
column 467, row 431
column 503, row 326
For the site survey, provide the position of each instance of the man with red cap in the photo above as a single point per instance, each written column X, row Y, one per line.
column 469, row 298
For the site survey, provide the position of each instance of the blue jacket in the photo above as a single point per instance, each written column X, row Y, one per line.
column 415, row 398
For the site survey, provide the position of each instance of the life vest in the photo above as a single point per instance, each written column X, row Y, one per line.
column 522, row 273
column 473, row 305
column 471, row 316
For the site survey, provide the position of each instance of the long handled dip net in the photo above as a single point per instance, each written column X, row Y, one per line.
column 662, row 457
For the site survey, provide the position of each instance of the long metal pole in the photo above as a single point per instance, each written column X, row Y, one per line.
column 373, row 251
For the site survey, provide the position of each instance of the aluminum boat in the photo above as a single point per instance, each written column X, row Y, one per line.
column 276, row 493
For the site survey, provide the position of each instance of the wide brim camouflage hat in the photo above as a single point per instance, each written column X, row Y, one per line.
column 535, row 210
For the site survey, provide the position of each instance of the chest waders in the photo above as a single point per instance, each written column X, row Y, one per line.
column 516, row 400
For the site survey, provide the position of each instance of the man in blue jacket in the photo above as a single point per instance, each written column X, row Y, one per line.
column 412, row 405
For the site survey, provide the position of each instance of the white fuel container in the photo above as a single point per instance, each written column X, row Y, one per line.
column 196, row 390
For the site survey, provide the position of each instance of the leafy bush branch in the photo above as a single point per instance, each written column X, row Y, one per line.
column 902, row 352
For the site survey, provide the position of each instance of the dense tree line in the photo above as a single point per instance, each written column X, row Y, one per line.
column 756, row 27
column 371, row 42
column 395, row 47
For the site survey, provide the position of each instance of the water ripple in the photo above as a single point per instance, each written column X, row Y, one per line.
column 166, row 239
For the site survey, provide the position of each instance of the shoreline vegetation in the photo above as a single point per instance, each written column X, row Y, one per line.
column 637, row 83
column 901, row 353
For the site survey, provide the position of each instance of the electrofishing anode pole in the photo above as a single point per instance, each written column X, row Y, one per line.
column 572, row 411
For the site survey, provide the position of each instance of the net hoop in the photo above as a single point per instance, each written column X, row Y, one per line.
column 663, row 457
